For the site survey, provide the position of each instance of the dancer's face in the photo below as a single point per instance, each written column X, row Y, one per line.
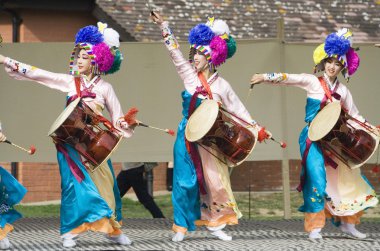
column 200, row 61
column 84, row 62
column 333, row 67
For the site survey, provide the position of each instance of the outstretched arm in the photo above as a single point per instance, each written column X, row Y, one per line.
column 304, row 81
column 184, row 68
column 21, row 71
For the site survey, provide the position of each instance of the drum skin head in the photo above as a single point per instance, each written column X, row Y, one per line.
column 324, row 122
column 202, row 120
column 63, row 116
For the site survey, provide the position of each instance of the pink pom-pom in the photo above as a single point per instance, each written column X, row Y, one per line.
column 103, row 56
column 32, row 150
column 353, row 61
column 219, row 50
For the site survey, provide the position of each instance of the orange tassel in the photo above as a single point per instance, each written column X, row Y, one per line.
column 130, row 116
column 262, row 135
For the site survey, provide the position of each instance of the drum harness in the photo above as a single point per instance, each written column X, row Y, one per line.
column 328, row 96
column 87, row 92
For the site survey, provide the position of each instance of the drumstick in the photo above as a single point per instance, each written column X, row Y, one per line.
column 249, row 93
column 168, row 131
column 130, row 118
column 282, row 144
column 31, row 150
column 250, row 90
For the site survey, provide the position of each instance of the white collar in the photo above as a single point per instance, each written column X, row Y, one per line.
column 88, row 83
column 331, row 85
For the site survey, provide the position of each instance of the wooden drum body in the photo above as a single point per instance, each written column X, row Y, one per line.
column 351, row 141
column 211, row 126
column 79, row 127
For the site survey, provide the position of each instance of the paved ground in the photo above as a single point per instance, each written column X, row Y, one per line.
column 154, row 234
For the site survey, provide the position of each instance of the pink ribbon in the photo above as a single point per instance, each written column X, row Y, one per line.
column 75, row 170
column 83, row 94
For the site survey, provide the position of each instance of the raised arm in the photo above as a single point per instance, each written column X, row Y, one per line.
column 184, row 68
column 114, row 108
column 21, row 71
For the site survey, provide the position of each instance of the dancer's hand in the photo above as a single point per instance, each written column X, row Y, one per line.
column 2, row 59
column 156, row 17
column 257, row 79
column 269, row 134
column 2, row 137
column 125, row 125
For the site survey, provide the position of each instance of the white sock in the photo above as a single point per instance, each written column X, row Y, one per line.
column 178, row 237
column 351, row 230
column 5, row 244
column 315, row 233
column 121, row 239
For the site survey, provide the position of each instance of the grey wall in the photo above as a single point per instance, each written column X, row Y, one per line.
column 148, row 81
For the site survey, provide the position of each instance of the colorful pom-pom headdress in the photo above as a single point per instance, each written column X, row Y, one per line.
column 213, row 40
column 339, row 46
column 102, row 45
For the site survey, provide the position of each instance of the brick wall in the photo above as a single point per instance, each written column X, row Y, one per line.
column 46, row 26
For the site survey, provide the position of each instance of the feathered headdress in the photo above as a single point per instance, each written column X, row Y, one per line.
column 102, row 45
column 339, row 46
column 213, row 39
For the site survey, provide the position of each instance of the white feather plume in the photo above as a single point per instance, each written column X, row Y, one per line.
column 219, row 27
column 111, row 37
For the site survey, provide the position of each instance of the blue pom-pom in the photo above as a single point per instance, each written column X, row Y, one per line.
column 89, row 34
column 335, row 45
column 201, row 34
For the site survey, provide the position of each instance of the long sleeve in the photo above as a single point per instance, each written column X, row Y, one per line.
column 350, row 107
column 21, row 71
column 184, row 68
column 232, row 103
column 114, row 108
column 304, row 81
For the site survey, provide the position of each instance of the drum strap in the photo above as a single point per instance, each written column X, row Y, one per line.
column 77, row 85
column 328, row 93
column 205, row 85
column 325, row 88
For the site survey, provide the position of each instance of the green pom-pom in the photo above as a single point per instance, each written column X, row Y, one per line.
column 231, row 44
column 116, row 63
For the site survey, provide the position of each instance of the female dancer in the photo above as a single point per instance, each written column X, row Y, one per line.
column 330, row 189
column 89, row 200
column 11, row 193
column 202, row 192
